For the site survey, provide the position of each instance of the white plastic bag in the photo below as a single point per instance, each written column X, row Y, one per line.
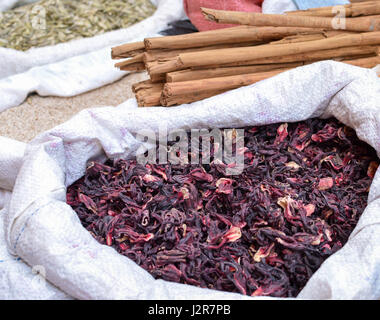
column 17, row 279
column 43, row 230
column 11, row 154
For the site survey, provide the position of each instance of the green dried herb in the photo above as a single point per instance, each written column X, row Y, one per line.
column 48, row 22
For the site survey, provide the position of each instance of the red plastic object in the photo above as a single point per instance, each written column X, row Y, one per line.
column 193, row 11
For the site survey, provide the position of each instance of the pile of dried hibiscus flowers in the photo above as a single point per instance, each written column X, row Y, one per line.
column 263, row 232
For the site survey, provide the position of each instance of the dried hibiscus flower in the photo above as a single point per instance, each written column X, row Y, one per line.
column 263, row 232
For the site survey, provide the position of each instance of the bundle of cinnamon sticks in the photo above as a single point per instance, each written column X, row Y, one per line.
column 192, row 67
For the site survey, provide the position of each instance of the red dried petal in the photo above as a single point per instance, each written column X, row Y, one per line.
column 310, row 208
column 327, row 133
column 325, row 183
column 201, row 175
column 258, row 292
column 147, row 237
column 160, row 172
column 109, row 239
column 372, row 168
column 292, row 165
column 150, row 178
column 263, row 252
column 88, row 202
column 282, row 133
column 301, row 146
column 112, row 213
column 224, row 185
column 339, row 179
column 287, row 203
column 185, row 193
column 233, row 234
column 335, row 161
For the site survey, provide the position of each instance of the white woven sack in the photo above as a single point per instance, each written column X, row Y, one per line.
column 44, row 231
column 17, row 279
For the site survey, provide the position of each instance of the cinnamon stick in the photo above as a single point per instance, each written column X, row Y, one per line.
column 361, row 1
column 216, row 84
column 225, row 56
column 164, row 54
column 148, row 94
column 189, row 74
column 156, row 68
column 354, row 57
column 310, row 37
column 190, row 91
column 188, row 98
column 159, row 77
column 146, row 84
column 138, row 66
column 299, row 38
column 149, row 99
column 238, row 34
column 364, row 62
column 127, row 50
column 310, row 56
column 364, row 24
column 138, row 58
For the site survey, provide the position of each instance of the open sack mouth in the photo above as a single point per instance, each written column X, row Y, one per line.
column 262, row 231
column 281, row 227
